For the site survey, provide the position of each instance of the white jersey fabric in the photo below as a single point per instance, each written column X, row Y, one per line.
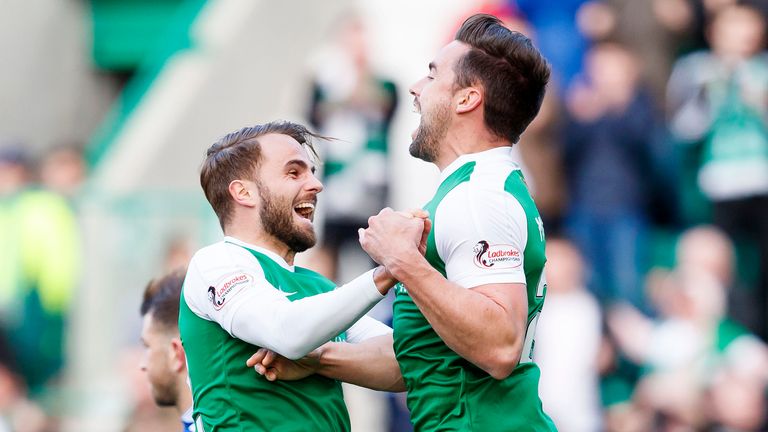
column 498, row 221
column 226, row 284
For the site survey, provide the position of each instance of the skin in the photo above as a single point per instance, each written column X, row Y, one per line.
column 165, row 364
column 284, row 179
column 484, row 324
column 370, row 364
column 287, row 176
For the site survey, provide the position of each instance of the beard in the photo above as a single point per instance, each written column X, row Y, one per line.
column 432, row 130
column 164, row 394
column 277, row 219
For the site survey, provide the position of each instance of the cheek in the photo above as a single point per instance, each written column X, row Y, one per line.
column 156, row 363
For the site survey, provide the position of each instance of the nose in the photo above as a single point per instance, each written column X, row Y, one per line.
column 314, row 184
column 415, row 89
column 412, row 90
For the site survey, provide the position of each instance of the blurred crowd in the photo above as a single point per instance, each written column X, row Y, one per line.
column 649, row 165
column 40, row 256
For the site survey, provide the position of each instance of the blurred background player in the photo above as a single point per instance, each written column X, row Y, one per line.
column 718, row 102
column 607, row 153
column 40, row 249
column 568, row 339
column 164, row 361
column 352, row 102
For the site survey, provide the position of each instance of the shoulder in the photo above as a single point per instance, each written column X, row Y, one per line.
column 485, row 196
column 216, row 272
column 219, row 264
column 222, row 257
column 481, row 207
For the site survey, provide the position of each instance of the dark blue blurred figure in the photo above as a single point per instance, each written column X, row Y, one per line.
column 608, row 159
column 557, row 35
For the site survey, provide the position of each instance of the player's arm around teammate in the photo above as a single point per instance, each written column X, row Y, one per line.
column 370, row 363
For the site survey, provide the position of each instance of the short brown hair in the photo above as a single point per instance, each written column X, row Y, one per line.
column 237, row 155
column 510, row 69
column 161, row 299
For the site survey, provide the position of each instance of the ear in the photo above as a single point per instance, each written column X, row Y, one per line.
column 241, row 191
column 178, row 356
column 469, row 99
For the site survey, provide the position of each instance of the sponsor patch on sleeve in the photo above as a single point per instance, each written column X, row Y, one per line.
column 228, row 287
column 494, row 256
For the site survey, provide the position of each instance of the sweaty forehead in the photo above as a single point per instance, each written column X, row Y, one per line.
column 278, row 149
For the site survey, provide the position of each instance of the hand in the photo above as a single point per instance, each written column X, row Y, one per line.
column 427, row 228
column 273, row 366
column 392, row 236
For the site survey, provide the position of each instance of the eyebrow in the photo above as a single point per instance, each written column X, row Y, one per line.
column 301, row 164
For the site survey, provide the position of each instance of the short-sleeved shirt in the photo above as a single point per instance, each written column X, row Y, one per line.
column 228, row 396
column 485, row 230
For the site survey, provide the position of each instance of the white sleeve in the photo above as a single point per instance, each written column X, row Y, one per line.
column 244, row 304
column 366, row 328
column 481, row 234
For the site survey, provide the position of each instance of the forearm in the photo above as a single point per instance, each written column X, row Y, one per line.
column 293, row 329
column 472, row 324
column 370, row 364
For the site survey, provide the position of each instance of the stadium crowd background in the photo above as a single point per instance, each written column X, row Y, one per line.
column 656, row 210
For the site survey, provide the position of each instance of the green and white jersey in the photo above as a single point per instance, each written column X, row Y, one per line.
column 228, row 395
column 485, row 230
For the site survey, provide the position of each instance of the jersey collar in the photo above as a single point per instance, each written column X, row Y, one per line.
column 271, row 255
column 186, row 420
column 494, row 154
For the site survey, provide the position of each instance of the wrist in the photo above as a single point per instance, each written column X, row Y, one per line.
column 408, row 267
column 383, row 279
column 318, row 356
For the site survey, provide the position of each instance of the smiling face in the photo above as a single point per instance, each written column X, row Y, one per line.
column 288, row 190
column 433, row 99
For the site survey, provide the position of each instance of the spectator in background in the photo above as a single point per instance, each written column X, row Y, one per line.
column 39, row 271
column 558, row 37
column 718, row 102
column 708, row 250
column 607, row 155
column 350, row 102
column 164, row 360
column 63, row 170
column 17, row 413
column 692, row 350
column 353, row 103
column 568, row 338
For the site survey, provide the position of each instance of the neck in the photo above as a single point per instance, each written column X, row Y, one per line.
column 261, row 239
column 466, row 140
column 184, row 399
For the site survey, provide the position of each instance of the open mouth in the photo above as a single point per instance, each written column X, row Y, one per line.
column 416, row 106
column 305, row 210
